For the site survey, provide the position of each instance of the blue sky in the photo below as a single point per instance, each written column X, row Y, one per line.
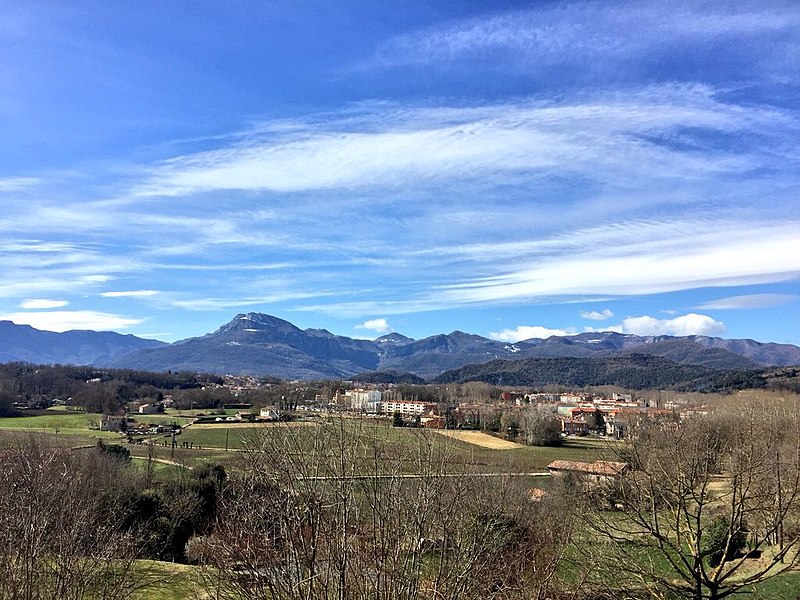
column 509, row 169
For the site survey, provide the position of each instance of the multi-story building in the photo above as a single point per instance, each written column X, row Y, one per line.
column 364, row 400
column 407, row 408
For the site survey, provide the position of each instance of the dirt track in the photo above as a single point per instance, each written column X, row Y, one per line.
column 484, row 440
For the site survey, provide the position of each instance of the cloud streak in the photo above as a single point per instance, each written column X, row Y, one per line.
column 42, row 303
column 65, row 320
column 749, row 301
column 752, row 255
column 586, row 36
column 603, row 137
column 129, row 294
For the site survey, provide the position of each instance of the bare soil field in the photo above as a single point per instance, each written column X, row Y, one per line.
column 478, row 438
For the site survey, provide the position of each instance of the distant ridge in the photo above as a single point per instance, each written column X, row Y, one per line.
column 76, row 347
column 260, row 344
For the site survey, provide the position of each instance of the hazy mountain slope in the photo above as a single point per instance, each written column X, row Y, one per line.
column 430, row 356
column 260, row 344
column 77, row 347
column 769, row 354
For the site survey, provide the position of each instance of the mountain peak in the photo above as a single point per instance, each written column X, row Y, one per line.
column 393, row 338
column 254, row 321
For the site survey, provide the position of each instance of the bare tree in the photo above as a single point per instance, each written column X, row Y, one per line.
column 695, row 495
column 343, row 510
column 58, row 528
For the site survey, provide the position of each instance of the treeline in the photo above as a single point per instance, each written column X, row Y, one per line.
column 389, row 377
column 95, row 390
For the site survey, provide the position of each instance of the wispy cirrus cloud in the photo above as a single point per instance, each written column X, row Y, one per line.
column 749, row 301
column 215, row 303
column 387, row 145
column 586, row 36
column 632, row 259
column 754, row 255
column 16, row 184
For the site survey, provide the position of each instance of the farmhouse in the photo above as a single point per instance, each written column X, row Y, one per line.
column 113, row 422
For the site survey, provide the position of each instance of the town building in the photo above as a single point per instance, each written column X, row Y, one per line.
column 409, row 408
column 363, row 400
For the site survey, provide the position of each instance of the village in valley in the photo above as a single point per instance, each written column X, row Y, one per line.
column 493, row 409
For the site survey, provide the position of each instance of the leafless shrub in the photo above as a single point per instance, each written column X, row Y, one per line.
column 58, row 533
column 346, row 511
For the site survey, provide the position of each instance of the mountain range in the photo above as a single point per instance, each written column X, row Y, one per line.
column 77, row 347
column 260, row 344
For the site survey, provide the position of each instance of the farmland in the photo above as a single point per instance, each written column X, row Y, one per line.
column 223, row 441
column 334, row 458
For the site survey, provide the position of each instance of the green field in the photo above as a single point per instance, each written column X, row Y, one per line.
column 217, row 436
column 210, row 442
column 167, row 581
column 782, row 587
column 397, row 445
column 69, row 421
column 58, row 420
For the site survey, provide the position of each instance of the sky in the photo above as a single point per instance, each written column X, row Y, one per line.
column 510, row 169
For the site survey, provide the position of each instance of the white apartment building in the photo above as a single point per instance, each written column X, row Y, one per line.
column 407, row 408
column 366, row 400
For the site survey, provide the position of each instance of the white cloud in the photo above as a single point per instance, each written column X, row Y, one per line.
column 689, row 324
column 129, row 294
column 749, row 301
column 594, row 315
column 42, row 303
column 376, row 325
column 72, row 319
column 526, row 332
